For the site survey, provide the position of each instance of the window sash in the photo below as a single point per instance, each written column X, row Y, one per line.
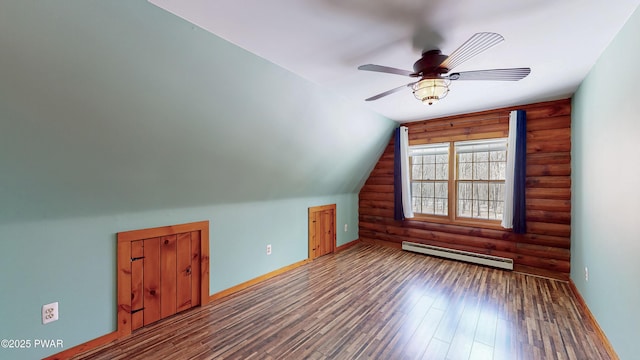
column 429, row 177
column 484, row 170
column 481, row 199
column 430, row 197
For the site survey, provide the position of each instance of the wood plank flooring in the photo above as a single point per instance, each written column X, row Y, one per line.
column 372, row 302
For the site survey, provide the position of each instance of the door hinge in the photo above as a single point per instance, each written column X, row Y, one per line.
column 137, row 258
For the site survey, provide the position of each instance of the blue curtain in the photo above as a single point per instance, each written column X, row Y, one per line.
column 520, row 175
column 398, row 213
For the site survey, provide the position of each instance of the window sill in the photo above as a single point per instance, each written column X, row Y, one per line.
column 485, row 224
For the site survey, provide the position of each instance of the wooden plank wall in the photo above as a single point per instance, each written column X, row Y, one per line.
column 544, row 249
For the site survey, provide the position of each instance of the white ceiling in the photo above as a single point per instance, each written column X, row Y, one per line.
column 326, row 40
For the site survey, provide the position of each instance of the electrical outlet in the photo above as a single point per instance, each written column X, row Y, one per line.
column 346, row 227
column 269, row 249
column 586, row 273
column 49, row 313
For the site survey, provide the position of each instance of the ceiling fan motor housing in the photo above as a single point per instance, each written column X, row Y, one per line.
column 429, row 64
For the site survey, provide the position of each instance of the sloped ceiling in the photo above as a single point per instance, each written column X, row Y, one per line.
column 326, row 40
column 116, row 106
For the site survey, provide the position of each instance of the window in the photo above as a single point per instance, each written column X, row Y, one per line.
column 430, row 179
column 475, row 180
column 481, row 170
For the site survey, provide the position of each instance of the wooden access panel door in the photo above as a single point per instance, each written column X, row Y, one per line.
column 162, row 275
column 322, row 230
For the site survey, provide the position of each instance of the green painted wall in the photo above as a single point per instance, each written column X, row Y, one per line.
column 605, row 174
column 116, row 115
column 72, row 261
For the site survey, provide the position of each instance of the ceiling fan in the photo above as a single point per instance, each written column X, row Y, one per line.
column 433, row 68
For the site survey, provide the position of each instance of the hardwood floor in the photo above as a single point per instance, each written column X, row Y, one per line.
column 371, row 302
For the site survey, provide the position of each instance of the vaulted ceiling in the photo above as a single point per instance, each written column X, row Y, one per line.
column 118, row 106
column 325, row 41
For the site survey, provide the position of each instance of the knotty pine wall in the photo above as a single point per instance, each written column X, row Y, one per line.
column 545, row 248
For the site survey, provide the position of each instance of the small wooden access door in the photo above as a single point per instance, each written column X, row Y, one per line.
column 322, row 230
column 161, row 271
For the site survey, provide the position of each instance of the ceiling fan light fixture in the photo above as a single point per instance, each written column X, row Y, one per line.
column 430, row 91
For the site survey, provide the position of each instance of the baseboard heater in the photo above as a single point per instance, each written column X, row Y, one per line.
column 467, row 256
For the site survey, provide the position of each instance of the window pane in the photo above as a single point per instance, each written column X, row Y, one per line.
column 481, row 171
column 465, row 171
column 495, row 210
column 442, row 158
column 465, row 190
column 480, row 191
column 428, row 189
column 498, row 171
column 429, row 159
column 416, row 189
column 498, row 156
column 480, row 209
column 496, row 191
column 466, row 157
column 429, row 172
column 464, row 208
column 480, row 156
column 442, row 172
column 415, row 202
column 416, row 172
column 442, row 190
column 442, row 206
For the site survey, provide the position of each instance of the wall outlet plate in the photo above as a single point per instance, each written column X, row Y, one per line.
column 49, row 313
column 269, row 249
column 586, row 273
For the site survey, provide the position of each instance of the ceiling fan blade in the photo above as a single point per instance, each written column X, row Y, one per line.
column 476, row 44
column 389, row 92
column 385, row 69
column 513, row 74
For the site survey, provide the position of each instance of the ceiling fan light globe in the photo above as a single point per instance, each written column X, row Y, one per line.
column 430, row 91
